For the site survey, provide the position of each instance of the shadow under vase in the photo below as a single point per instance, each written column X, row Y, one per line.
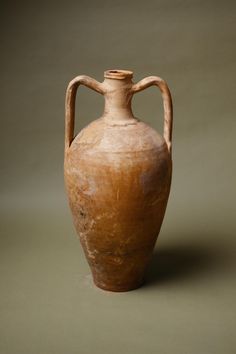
column 178, row 262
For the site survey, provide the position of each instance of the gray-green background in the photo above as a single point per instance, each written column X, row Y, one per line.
column 48, row 303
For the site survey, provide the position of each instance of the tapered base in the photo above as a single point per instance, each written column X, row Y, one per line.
column 119, row 288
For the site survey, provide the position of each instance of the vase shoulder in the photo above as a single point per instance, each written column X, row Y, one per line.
column 131, row 137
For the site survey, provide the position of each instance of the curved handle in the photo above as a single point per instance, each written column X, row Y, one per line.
column 70, row 103
column 167, row 102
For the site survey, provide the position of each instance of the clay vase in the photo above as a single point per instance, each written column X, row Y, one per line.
column 118, row 176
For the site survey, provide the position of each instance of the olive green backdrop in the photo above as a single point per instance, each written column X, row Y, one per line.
column 48, row 303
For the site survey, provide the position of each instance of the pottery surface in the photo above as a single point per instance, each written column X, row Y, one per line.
column 118, row 175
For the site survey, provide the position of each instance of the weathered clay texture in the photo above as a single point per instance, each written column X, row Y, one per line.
column 118, row 175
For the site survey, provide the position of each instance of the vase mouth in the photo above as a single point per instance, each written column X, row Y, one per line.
column 118, row 74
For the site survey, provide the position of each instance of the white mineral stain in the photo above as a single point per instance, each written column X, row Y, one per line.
column 91, row 188
column 83, row 235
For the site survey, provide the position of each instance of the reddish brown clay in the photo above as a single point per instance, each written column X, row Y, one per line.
column 118, row 176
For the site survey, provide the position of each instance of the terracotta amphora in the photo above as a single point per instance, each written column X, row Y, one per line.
column 117, row 175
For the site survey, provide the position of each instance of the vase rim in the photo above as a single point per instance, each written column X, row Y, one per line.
column 118, row 74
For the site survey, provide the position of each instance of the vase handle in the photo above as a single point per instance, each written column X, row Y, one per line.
column 167, row 102
column 70, row 103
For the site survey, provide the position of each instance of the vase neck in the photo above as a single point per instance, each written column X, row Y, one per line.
column 118, row 95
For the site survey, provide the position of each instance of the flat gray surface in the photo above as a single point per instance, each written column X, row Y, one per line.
column 48, row 303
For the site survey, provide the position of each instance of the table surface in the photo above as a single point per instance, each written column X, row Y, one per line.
column 50, row 305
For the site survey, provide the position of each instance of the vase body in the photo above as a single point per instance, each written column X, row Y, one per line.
column 117, row 175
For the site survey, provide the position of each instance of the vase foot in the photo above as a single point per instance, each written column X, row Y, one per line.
column 119, row 287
